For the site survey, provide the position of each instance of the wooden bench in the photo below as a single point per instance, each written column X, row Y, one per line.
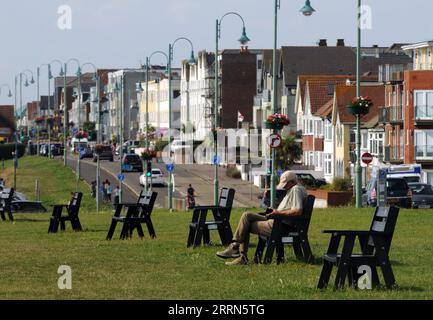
column 375, row 245
column 6, row 204
column 199, row 227
column 290, row 230
column 73, row 209
column 136, row 214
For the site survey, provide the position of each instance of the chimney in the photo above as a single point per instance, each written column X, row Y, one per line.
column 323, row 43
column 340, row 43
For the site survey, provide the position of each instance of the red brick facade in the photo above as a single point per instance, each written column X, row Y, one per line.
column 415, row 80
column 310, row 143
column 239, row 81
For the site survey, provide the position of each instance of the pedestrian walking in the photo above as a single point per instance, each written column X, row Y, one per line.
column 104, row 191
column 109, row 192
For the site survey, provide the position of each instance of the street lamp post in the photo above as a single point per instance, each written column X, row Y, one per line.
column 97, row 100
column 119, row 88
column 243, row 40
column 358, row 179
column 307, row 10
column 191, row 61
column 50, row 76
column 65, row 109
column 140, row 89
column 26, row 84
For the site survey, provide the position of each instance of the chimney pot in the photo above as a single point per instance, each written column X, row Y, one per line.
column 340, row 43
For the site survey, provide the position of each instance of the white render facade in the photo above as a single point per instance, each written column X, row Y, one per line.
column 197, row 92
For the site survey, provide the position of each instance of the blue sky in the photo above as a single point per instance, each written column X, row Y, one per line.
column 120, row 33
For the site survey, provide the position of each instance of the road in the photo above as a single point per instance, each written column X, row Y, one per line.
column 200, row 176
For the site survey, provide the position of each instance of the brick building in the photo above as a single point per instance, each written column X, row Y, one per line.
column 7, row 122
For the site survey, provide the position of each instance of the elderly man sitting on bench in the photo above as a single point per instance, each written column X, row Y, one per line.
column 260, row 224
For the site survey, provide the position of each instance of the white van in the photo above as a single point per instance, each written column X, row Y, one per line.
column 77, row 144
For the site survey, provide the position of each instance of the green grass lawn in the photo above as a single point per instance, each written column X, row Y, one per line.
column 165, row 269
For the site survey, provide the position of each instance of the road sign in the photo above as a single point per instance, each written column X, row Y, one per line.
column 121, row 177
column 74, row 131
column 367, row 158
column 275, row 141
column 280, row 172
column 216, row 160
column 170, row 167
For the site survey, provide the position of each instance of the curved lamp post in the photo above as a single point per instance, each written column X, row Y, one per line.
column 119, row 89
column 358, row 179
column 65, row 106
column 26, row 84
column 244, row 41
column 307, row 10
column 98, row 138
column 191, row 61
column 140, row 89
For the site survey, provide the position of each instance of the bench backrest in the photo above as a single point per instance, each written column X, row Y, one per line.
column 147, row 199
column 226, row 198
column 75, row 203
column 308, row 207
column 384, row 221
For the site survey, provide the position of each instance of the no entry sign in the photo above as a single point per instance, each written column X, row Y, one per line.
column 367, row 158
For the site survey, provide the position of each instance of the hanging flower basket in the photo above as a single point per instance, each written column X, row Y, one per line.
column 360, row 106
column 277, row 121
column 148, row 154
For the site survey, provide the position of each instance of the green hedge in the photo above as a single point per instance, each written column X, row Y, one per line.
column 7, row 149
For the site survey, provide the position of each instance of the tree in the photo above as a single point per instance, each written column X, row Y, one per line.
column 289, row 152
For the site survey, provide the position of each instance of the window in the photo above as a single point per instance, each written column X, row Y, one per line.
column 423, row 104
column 328, row 130
column 328, row 164
column 423, row 144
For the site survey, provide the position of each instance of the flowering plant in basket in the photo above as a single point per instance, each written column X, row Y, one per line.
column 360, row 105
column 277, row 121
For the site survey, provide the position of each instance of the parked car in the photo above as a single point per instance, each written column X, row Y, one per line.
column 398, row 193
column 422, row 195
column 86, row 153
column 157, row 178
column 106, row 154
column 132, row 162
column 309, row 181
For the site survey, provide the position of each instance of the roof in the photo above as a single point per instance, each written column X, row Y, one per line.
column 418, row 45
column 316, row 61
column 325, row 110
column 321, row 87
column 344, row 94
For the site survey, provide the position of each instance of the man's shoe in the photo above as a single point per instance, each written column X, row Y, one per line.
column 241, row 261
column 232, row 252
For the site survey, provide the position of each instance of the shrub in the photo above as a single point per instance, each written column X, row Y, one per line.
column 233, row 172
column 341, row 184
column 7, row 149
column 160, row 144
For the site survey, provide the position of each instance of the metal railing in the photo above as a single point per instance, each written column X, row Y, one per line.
column 424, row 112
column 394, row 153
column 424, row 152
